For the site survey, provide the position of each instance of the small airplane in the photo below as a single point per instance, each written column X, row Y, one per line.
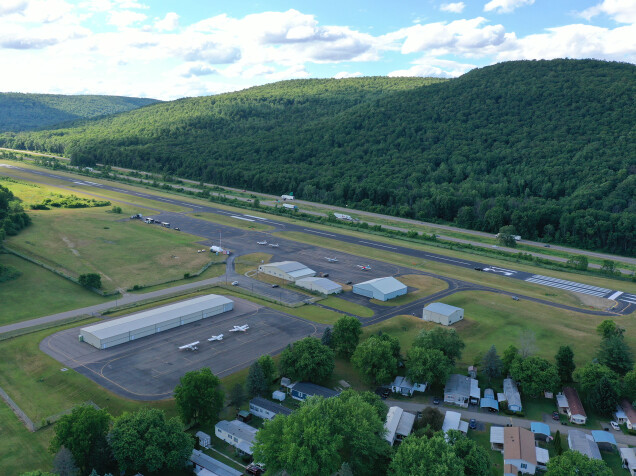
column 261, row 242
column 274, row 245
column 240, row 328
column 191, row 346
column 219, row 337
column 332, row 260
column 367, row 267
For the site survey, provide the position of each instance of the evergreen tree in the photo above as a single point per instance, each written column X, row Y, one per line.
column 326, row 337
column 492, row 364
column 256, row 384
column 237, row 395
column 64, row 463
column 565, row 363
column 603, row 398
column 558, row 445
column 616, row 354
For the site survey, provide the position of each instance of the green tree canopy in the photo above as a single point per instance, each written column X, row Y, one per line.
column 603, row 397
column 535, row 375
column 565, row 363
column 375, row 360
column 199, row 396
column 145, row 441
column 443, row 339
column 308, row 360
column 506, row 236
column 237, row 395
column 573, row 463
column 509, row 355
column 268, row 366
column 475, row 458
column 428, row 366
column 326, row 337
column 616, row 354
column 629, row 386
column 256, row 383
column 492, row 364
column 417, row 456
column 608, row 328
column 345, row 335
column 588, row 375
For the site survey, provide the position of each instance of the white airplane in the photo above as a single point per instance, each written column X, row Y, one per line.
column 274, row 245
column 367, row 267
column 191, row 346
column 332, row 260
column 240, row 328
column 261, row 242
column 219, row 337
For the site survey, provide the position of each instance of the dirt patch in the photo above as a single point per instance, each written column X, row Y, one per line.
column 593, row 301
column 70, row 245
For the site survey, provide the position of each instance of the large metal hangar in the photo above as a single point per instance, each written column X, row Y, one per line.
column 321, row 285
column 287, row 270
column 381, row 289
column 142, row 324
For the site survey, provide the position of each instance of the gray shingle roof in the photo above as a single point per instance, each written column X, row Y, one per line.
column 313, row 389
column 212, row 465
column 441, row 308
column 270, row 406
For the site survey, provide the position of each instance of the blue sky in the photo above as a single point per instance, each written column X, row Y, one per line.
column 168, row 49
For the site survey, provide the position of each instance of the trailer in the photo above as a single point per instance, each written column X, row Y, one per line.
column 341, row 216
column 289, row 196
column 149, row 220
column 165, row 224
column 289, row 206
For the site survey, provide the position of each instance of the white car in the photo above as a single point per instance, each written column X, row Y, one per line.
column 615, row 425
column 235, row 283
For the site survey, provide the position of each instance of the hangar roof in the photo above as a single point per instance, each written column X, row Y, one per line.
column 384, row 285
column 293, row 268
column 441, row 308
column 324, row 283
column 151, row 317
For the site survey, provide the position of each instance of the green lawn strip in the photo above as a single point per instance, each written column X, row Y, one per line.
column 155, row 303
column 21, row 450
column 535, row 408
column 482, row 438
column 615, row 463
column 229, row 221
column 39, row 292
column 425, row 285
column 344, row 370
column 126, row 253
column 404, row 328
column 245, row 263
column 214, row 271
column 347, row 306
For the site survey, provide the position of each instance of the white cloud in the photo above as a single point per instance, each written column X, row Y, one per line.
column 188, row 70
column 169, row 23
column 12, row 6
column 125, row 18
column 506, row 6
column 622, row 11
column 434, row 67
column 456, row 7
column 345, row 74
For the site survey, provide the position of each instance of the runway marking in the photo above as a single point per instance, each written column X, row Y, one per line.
column 446, row 259
column 319, row 232
column 252, row 216
column 376, row 244
column 569, row 285
column 615, row 295
column 240, row 218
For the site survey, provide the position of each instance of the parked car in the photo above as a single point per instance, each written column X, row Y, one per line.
column 555, row 416
column 478, row 269
column 348, row 282
column 274, row 285
column 515, row 298
column 615, row 425
column 177, row 228
column 436, row 400
column 383, row 392
column 235, row 283
column 472, row 424
column 546, row 246
column 255, row 469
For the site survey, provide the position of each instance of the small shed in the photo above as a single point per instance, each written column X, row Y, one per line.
column 443, row 314
column 472, row 371
column 497, row 438
column 381, row 289
column 244, row 416
column 285, row 382
column 204, row 439
column 278, row 395
column 541, row 431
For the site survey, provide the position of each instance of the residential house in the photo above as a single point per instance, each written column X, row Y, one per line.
column 583, row 443
column 519, row 449
column 238, row 434
column 511, row 393
column 302, row 390
column 453, row 421
column 576, row 412
column 562, row 404
column 497, row 438
column 398, row 425
column 619, row 415
column 205, row 465
column 403, row 386
column 630, row 414
column 462, row 391
column 266, row 409
column 628, row 457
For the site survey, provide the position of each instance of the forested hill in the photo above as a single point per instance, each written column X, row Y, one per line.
column 21, row 112
column 547, row 146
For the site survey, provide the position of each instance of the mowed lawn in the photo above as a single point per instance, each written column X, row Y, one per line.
column 126, row 253
column 39, row 292
column 425, row 285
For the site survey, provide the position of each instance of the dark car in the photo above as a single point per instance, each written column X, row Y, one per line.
column 177, row 228
column 436, row 400
column 478, row 269
column 255, row 468
column 515, row 298
column 348, row 282
column 546, row 246
column 555, row 416
column 472, row 424
column 383, row 392
column 274, row 285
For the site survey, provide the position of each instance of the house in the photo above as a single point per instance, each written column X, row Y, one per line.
column 497, row 438
column 319, row 285
column 629, row 460
column 398, row 425
column 541, row 431
column 287, row 270
column 604, row 439
column 381, row 289
column 204, row 439
column 453, row 421
column 205, row 465
column 303, row 390
column 267, row 410
column 236, row 433
column 472, row 371
column 576, row 412
column 630, row 414
column 443, row 314
column 462, row 391
column 619, row 415
column 511, row 392
column 583, row 443
column 543, row 456
column 403, row 386
column 519, row 449
column 562, row 404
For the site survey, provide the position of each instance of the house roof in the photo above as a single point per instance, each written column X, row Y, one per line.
column 497, row 434
column 576, row 407
column 630, row 413
column 406, row 424
column 543, row 456
column 562, row 402
column 384, row 285
column 601, row 436
column 474, row 389
column 451, row 421
column 326, row 284
column 212, row 465
column 441, row 308
column 541, row 428
column 620, row 414
column 392, row 422
column 488, row 402
column 270, row 406
column 519, row 444
column 459, row 385
column 293, row 268
column 402, row 382
column 627, row 454
column 313, row 389
column 510, row 469
column 239, row 429
column 584, row 444
column 511, row 392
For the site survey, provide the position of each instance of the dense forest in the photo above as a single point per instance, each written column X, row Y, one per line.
column 546, row 146
column 21, row 112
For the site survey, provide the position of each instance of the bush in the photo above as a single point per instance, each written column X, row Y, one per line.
column 91, row 280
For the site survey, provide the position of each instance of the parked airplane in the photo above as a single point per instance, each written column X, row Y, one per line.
column 219, row 337
column 274, row 245
column 367, row 267
column 240, row 328
column 332, row 260
column 191, row 346
column 262, row 242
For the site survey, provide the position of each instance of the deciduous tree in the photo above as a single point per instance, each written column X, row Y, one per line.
column 616, row 354
column 535, row 375
column 417, row 456
column 573, row 463
column 375, row 361
column 588, row 375
column 345, row 335
column 427, row 366
column 603, row 397
column 308, row 360
column 509, row 355
column 565, row 363
column 268, row 366
column 445, row 340
column 199, row 396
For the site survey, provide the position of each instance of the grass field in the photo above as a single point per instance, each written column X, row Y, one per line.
column 245, row 263
column 39, row 292
column 229, row 221
column 482, row 438
column 347, row 306
column 425, row 285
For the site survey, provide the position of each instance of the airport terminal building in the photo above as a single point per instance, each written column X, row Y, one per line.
column 118, row 331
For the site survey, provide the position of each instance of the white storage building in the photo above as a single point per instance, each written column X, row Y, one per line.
column 321, row 285
column 287, row 270
column 442, row 313
column 142, row 324
column 381, row 289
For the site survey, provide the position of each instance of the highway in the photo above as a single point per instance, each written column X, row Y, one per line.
column 626, row 302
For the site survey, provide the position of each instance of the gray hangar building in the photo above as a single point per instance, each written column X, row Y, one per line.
column 381, row 289
column 441, row 313
column 142, row 324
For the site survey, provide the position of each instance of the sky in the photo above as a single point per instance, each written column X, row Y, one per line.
column 167, row 49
